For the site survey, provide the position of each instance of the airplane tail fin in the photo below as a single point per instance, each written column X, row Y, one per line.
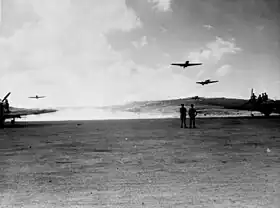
column 187, row 62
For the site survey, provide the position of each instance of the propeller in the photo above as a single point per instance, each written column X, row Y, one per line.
column 6, row 96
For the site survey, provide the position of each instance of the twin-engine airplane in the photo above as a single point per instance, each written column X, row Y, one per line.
column 207, row 81
column 37, row 97
column 186, row 64
column 7, row 112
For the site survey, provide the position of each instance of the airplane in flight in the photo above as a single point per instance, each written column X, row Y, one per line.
column 186, row 64
column 265, row 107
column 37, row 97
column 207, row 81
column 13, row 112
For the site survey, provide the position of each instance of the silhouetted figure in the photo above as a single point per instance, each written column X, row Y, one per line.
column 253, row 98
column 259, row 100
column 265, row 97
column 183, row 115
column 7, row 106
column 192, row 115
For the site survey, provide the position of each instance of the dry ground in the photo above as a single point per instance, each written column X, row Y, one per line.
column 141, row 163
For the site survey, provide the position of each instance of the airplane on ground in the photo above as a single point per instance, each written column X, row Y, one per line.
column 207, row 81
column 13, row 112
column 37, row 97
column 265, row 107
column 195, row 98
column 186, row 64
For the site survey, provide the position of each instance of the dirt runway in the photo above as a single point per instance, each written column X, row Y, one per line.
column 225, row 162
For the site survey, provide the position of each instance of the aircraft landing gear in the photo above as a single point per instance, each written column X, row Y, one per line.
column 267, row 114
column 2, row 123
column 13, row 121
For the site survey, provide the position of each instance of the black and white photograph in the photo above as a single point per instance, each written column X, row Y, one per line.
column 140, row 103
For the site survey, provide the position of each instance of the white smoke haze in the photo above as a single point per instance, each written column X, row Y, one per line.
column 90, row 113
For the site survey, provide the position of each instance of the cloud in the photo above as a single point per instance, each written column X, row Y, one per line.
column 61, row 51
column 215, row 50
column 224, row 70
column 208, row 27
column 62, row 43
column 163, row 29
column 198, row 56
column 148, row 83
column 166, row 55
column 200, row 73
column 140, row 43
column 161, row 5
column 260, row 27
column 220, row 47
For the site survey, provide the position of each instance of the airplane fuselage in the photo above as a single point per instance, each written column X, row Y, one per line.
column 207, row 82
column 37, row 97
column 186, row 64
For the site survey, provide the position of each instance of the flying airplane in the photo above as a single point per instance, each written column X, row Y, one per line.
column 13, row 112
column 265, row 107
column 37, row 97
column 207, row 81
column 186, row 64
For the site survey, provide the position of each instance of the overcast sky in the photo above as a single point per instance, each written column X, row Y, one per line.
column 102, row 52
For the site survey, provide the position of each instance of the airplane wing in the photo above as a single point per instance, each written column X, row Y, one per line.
column 193, row 64
column 18, row 112
column 178, row 64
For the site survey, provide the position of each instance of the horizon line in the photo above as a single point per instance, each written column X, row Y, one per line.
column 135, row 101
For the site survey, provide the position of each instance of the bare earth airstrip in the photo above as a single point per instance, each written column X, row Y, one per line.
column 225, row 162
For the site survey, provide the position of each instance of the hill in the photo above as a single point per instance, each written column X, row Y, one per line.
column 170, row 108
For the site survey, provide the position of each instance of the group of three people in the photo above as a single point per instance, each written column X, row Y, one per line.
column 183, row 116
column 263, row 97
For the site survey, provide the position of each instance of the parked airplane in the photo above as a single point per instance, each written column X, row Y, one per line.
column 186, row 64
column 7, row 112
column 265, row 107
column 207, row 81
column 37, row 97
column 195, row 98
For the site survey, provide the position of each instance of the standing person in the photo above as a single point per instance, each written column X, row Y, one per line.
column 265, row 97
column 253, row 98
column 259, row 100
column 183, row 115
column 7, row 106
column 192, row 115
